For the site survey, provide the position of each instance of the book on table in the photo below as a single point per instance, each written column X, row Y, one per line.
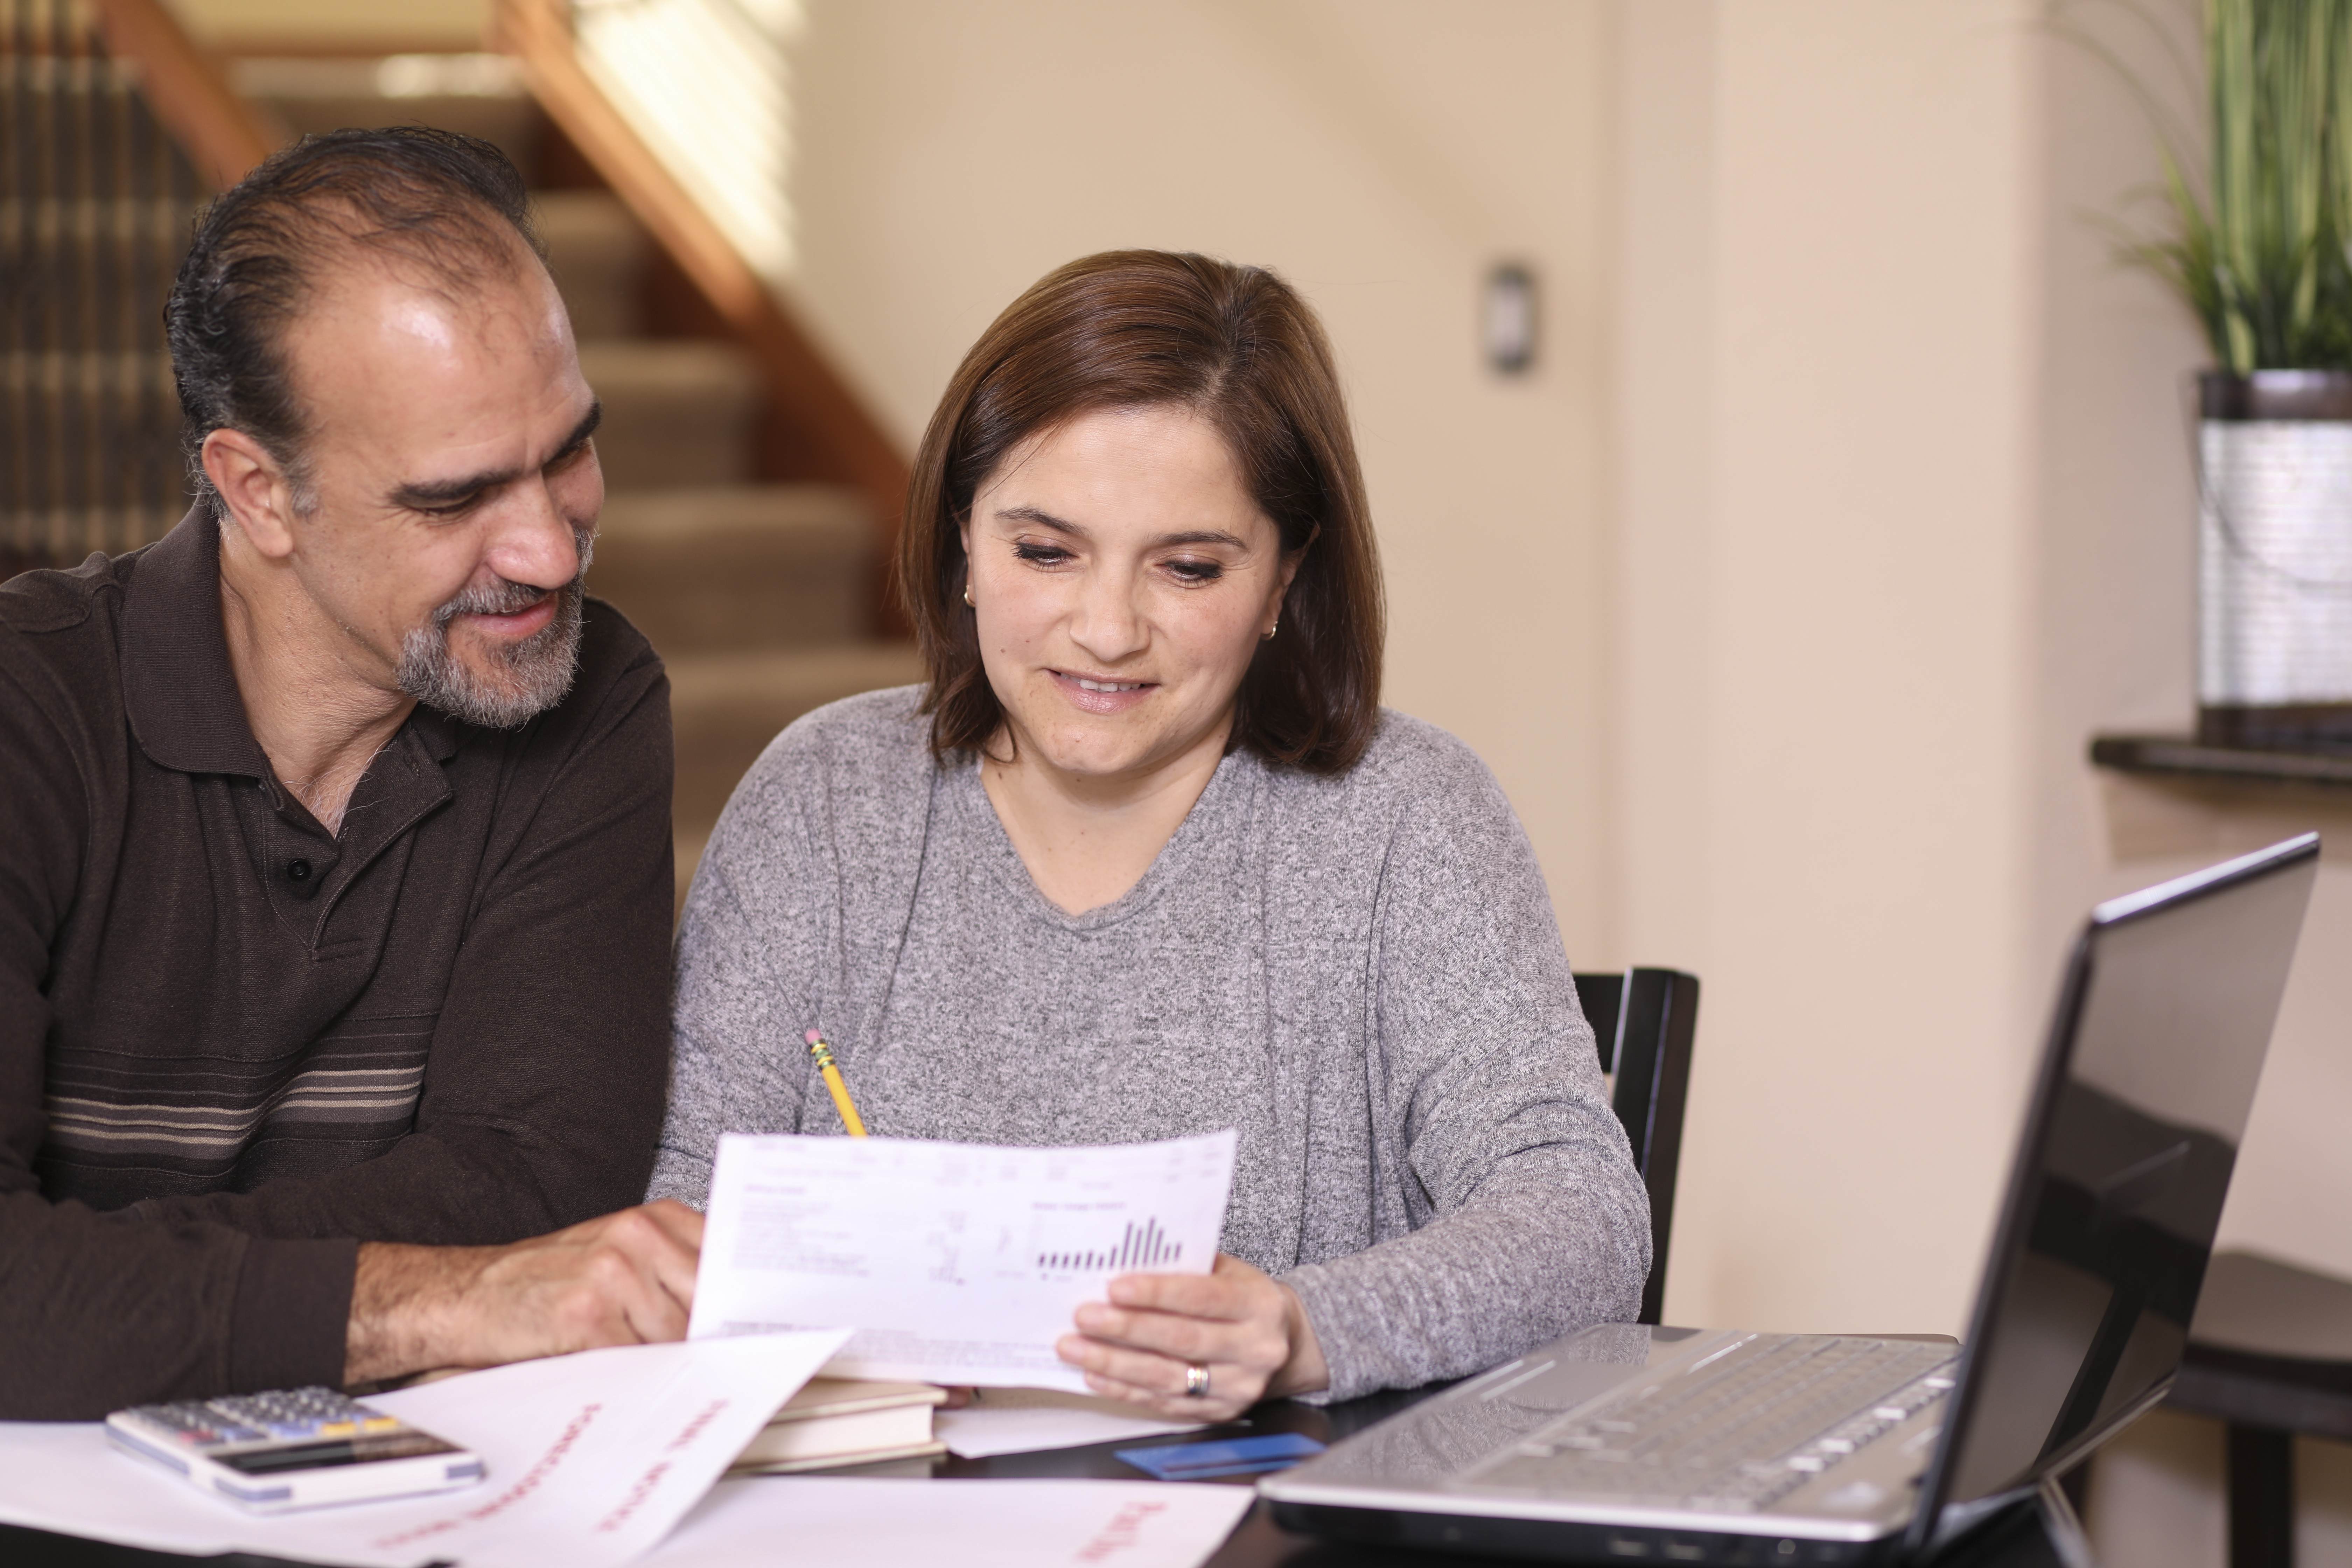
column 840, row 1421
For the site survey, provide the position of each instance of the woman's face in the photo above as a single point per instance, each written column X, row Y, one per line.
column 1122, row 578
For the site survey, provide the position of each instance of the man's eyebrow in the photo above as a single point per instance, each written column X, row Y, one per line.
column 441, row 492
column 1059, row 525
column 582, row 431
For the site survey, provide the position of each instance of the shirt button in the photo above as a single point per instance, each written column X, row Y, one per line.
column 298, row 871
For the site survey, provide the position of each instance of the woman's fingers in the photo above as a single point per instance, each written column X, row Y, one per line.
column 1234, row 1324
column 1165, row 1333
column 1228, row 1298
column 1157, row 1381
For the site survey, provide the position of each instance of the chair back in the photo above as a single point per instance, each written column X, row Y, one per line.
column 1643, row 1023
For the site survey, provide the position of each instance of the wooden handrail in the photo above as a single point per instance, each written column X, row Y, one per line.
column 846, row 444
column 223, row 134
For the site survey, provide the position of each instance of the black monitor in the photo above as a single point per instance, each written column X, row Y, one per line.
column 2141, row 1102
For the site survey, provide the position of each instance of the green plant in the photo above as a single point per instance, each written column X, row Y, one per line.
column 2260, row 251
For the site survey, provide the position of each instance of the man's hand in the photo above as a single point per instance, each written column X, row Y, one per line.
column 1247, row 1328
column 624, row 1279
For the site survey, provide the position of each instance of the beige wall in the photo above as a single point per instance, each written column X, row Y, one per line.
column 1824, row 543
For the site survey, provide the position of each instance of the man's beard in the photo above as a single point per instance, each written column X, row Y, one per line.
column 527, row 676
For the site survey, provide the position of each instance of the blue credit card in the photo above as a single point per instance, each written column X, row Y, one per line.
column 1229, row 1456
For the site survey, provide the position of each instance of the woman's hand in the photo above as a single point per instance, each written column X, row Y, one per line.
column 1245, row 1327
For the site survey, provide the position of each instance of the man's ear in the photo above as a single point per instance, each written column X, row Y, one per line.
column 255, row 490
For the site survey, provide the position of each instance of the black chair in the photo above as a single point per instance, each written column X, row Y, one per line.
column 2269, row 1353
column 1643, row 1021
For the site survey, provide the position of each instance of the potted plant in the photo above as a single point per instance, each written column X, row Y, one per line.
column 2260, row 254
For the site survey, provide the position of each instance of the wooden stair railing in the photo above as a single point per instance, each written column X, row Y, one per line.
column 101, row 105
column 819, row 428
column 222, row 134
column 825, row 427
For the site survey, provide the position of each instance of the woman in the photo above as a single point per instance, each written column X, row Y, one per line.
column 1144, row 858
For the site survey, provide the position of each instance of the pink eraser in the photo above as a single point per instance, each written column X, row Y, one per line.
column 812, row 1037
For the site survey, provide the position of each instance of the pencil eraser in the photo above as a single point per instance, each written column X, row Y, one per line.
column 813, row 1036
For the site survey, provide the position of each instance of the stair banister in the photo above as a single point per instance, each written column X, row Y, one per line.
column 848, row 445
column 224, row 135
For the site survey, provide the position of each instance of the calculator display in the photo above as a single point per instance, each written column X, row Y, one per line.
column 343, row 1451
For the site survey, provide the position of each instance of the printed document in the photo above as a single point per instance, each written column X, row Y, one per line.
column 955, row 1263
column 592, row 1458
column 827, row 1522
column 1027, row 1420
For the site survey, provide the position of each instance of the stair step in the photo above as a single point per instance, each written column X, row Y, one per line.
column 726, row 707
column 597, row 253
column 745, row 567
column 58, row 232
column 479, row 95
column 676, row 411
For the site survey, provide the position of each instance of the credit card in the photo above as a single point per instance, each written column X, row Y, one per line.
column 1228, row 1457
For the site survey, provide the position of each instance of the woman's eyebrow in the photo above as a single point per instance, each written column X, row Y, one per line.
column 1063, row 525
column 1042, row 518
column 1203, row 536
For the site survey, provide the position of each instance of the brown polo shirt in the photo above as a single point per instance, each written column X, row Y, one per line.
column 234, row 1045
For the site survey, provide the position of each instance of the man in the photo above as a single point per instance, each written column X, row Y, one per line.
column 334, row 838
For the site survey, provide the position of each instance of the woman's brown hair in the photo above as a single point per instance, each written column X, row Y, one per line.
column 1238, row 347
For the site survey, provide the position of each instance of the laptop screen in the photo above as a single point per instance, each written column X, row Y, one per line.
column 2110, row 1218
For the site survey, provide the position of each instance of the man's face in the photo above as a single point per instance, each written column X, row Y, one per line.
column 455, row 489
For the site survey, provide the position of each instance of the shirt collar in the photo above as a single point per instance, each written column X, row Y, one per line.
column 177, row 682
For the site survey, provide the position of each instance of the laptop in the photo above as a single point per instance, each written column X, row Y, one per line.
column 1628, row 1442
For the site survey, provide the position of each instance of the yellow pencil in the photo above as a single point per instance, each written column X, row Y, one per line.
column 840, row 1090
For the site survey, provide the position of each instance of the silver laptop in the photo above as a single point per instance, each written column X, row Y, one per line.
column 1627, row 1442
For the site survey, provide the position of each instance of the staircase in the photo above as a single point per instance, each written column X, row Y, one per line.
column 757, row 596
column 95, row 199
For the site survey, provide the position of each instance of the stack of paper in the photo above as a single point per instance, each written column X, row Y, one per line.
column 1025, row 1420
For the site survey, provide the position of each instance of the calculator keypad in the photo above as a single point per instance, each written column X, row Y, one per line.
column 286, row 1413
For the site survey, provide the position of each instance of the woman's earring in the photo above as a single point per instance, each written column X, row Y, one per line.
column 1270, row 631
column 966, row 591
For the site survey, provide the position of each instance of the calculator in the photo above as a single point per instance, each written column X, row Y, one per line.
column 297, row 1448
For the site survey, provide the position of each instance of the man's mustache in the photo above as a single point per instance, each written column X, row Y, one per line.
column 498, row 598
column 502, row 597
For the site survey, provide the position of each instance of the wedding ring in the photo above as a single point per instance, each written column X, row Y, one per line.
column 1196, row 1382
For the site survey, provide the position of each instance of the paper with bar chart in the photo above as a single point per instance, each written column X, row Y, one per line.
column 956, row 1263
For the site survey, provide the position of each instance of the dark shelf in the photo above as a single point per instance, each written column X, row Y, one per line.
column 2178, row 757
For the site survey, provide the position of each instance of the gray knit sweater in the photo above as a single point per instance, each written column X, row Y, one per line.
column 1360, row 974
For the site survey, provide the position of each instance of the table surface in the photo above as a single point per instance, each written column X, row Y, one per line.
column 2016, row 1542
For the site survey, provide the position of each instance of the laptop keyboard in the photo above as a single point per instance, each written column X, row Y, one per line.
column 1734, row 1433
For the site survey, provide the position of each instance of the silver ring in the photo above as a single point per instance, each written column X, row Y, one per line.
column 1196, row 1382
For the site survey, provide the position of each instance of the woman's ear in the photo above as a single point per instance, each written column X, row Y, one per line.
column 1290, row 563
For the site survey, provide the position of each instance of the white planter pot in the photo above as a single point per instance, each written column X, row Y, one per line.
column 2274, row 558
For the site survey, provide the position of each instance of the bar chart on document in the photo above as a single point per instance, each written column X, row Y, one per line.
column 953, row 1262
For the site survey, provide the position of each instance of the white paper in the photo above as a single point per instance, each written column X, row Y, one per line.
column 824, row 1521
column 1025, row 1420
column 955, row 1263
column 592, row 1458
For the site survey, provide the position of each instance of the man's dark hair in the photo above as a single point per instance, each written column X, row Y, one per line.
column 431, row 200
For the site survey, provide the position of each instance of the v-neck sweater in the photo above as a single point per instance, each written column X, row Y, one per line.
column 1359, row 974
